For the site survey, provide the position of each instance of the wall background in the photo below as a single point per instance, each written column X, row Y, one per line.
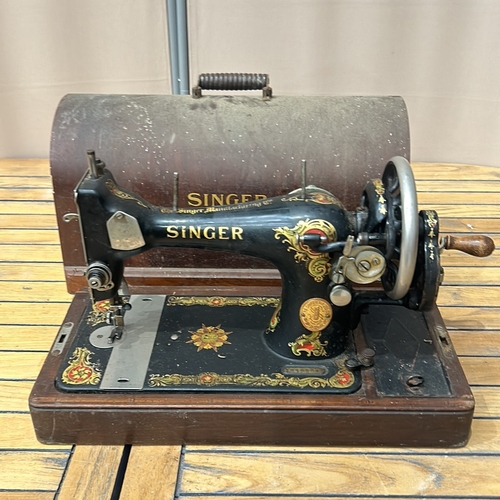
column 442, row 56
column 51, row 47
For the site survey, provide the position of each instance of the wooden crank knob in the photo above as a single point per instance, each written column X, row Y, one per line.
column 474, row 244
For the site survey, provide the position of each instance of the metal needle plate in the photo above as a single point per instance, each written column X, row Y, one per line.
column 129, row 361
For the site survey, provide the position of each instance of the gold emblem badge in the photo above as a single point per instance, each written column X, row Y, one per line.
column 209, row 337
column 315, row 314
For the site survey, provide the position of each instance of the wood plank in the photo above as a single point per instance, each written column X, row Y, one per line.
column 422, row 170
column 151, row 472
column 487, row 402
column 15, row 313
column 25, row 182
column 471, row 199
column 28, row 221
column 481, row 371
column 24, row 166
column 41, row 237
column 339, row 474
column 21, row 365
column 36, row 291
column 31, row 272
column 303, row 497
column 14, row 395
column 33, row 337
column 476, row 343
column 476, row 318
column 31, row 253
column 467, row 275
column 27, row 364
column 457, row 186
column 91, row 473
column 20, row 194
column 454, row 171
column 27, row 207
column 17, row 433
column 470, row 211
column 26, row 495
column 55, row 272
column 460, row 318
column 468, row 225
column 450, row 258
column 35, row 167
column 32, row 470
column 486, row 296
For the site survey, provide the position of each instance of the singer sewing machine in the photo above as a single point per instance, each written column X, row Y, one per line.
column 350, row 349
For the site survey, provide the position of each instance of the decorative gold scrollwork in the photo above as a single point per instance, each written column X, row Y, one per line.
column 80, row 370
column 218, row 301
column 310, row 344
column 317, row 264
column 342, row 379
column 113, row 188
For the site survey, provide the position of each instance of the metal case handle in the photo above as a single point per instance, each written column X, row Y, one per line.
column 233, row 81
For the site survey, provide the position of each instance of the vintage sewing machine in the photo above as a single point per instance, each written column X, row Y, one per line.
column 351, row 348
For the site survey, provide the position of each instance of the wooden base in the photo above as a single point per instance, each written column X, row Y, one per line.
column 363, row 418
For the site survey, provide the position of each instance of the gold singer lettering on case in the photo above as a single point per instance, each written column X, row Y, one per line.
column 206, row 233
column 218, row 199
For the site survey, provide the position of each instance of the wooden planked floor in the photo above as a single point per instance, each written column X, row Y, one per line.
column 33, row 301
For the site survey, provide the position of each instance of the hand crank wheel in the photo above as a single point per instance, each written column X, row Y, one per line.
column 401, row 227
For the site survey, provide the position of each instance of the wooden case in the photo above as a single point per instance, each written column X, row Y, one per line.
column 365, row 418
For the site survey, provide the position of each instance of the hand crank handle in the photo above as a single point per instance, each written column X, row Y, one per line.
column 474, row 244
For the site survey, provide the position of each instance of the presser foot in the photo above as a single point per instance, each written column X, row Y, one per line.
column 115, row 317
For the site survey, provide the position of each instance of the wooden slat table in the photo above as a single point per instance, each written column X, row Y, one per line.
column 33, row 301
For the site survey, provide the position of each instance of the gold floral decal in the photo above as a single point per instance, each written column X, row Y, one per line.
column 80, row 370
column 275, row 319
column 98, row 313
column 222, row 301
column 342, row 379
column 209, row 337
column 121, row 194
column 432, row 223
column 317, row 264
column 380, row 191
column 310, row 344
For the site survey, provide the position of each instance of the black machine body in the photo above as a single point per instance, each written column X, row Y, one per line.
column 335, row 265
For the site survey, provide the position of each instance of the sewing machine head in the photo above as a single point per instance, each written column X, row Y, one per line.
column 327, row 256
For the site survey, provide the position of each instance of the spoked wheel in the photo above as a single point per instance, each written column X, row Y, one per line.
column 401, row 227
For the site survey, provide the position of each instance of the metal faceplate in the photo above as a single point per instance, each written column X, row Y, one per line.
column 124, row 232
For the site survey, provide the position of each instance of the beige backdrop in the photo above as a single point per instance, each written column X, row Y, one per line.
column 442, row 56
column 51, row 47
